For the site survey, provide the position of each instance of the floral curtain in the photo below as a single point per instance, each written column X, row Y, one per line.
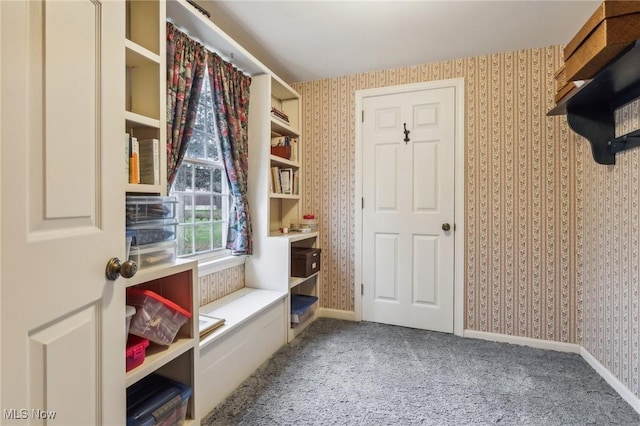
column 186, row 61
column 230, row 90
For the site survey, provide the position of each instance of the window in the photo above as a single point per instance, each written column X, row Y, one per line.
column 201, row 186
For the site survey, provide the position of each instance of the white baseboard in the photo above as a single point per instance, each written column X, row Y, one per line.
column 336, row 314
column 616, row 384
column 524, row 341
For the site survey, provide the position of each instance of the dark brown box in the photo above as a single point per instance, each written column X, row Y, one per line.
column 281, row 151
column 304, row 261
column 611, row 28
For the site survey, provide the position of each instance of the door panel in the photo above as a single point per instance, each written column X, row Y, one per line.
column 425, row 269
column 386, row 172
column 62, row 210
column 386, row 255
column 408, row 260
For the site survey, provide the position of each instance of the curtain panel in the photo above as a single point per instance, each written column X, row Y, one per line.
column 186, row 61
column 230, row 90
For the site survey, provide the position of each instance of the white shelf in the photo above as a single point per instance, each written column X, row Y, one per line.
column 279, row 161
column 137, row 120
column 296, row 281
column 157, row 356
column 285, row 196
column 238, row 308
column 137, row 55
column 144, row 188
column 283, row 129
column 295, row 236
column 161, row 271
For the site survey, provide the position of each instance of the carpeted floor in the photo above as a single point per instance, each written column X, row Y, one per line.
column 346, row 373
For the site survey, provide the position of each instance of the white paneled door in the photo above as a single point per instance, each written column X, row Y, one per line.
column 63, row 180
column 408, row 208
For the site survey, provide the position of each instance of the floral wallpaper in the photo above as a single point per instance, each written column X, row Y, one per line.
column 520, row 235
column 216, row 285
column 608, row 253
column 552, row 238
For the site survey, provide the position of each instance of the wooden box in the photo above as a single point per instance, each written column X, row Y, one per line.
column 612, row 27
column 304, row 261
column 281, row 151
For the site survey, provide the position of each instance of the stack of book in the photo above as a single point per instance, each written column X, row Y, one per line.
column 208, row 324
column 284, row 181
column 280, row 115
column 143, row 160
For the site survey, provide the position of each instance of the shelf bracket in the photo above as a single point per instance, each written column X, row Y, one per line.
column 594, row 125
column 623, row 143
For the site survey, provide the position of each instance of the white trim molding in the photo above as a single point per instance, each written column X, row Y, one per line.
column 210, row 266
column 336, row 314
column 616, row 384
column 524, row 341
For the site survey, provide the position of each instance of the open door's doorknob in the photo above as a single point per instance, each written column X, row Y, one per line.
column 115, row 268
column 446, row 227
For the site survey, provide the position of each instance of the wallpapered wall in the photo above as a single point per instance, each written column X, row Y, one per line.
column 552, row 238
column 219, row 284
column 519, row 277
column 608, row 253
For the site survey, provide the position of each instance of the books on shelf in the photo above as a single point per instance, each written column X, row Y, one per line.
column 279, row 114
column 149, row 161
column 284, row 181
column 208, row 324
column 134, row 164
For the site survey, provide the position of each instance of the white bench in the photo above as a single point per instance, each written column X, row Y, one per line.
column 256, row 325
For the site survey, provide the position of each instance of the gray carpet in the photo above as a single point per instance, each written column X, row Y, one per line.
column 346, row 373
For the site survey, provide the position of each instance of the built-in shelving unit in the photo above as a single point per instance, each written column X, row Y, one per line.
column 590, row 108
column 145, row 57
column 177, row 282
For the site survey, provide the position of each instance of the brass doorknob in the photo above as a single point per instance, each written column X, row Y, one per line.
column 446, row 226
column 115, row 268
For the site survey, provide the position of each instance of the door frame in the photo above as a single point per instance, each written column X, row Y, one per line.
column 458, row 277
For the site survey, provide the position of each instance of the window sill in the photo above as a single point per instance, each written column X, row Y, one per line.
column 210, row 265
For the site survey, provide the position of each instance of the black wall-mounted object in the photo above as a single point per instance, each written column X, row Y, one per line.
column 590, row 109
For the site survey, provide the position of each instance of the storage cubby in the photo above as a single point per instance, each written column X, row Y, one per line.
column 145, row 85
column 176, row 282
column 306, row 283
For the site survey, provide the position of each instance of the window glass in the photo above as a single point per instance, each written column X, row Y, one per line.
column 201, row 187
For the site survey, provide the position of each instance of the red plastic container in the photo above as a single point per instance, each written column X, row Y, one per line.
column 136, row 349
column 156, row 318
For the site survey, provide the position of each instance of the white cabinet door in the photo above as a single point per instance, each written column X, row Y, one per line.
column 63, row 180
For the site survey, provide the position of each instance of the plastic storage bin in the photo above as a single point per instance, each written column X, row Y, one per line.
column 153, row 254
column 302, row 308
column 157, row 319
column 129, row 235
column 129, row 312
column 143, row 208
column 156, row 400
column 136, row 350
column 155, row 231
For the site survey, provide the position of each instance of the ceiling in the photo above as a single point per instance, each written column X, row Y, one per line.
column 311, row 39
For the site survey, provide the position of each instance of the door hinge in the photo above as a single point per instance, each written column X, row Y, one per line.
column 362, row 203
column 361, row 289
column 363, row 116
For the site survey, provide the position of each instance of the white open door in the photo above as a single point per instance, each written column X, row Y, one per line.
column 62, row 219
